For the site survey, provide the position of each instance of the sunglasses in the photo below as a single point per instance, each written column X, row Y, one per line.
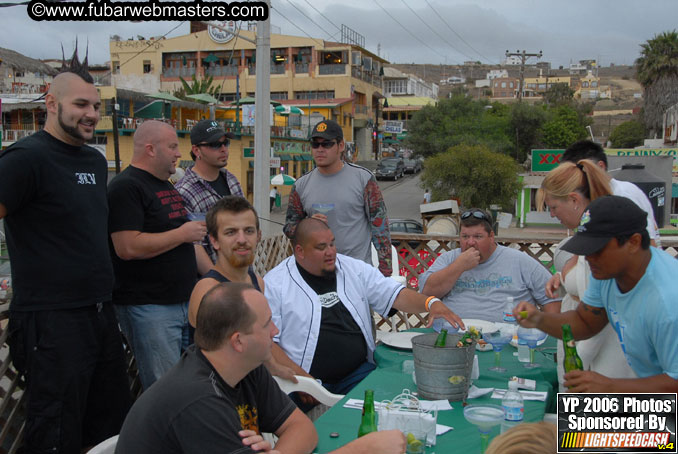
column 476, row 214
column 327, row 144
column 215, row 145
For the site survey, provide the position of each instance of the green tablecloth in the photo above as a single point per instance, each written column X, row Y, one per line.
column 388, row 380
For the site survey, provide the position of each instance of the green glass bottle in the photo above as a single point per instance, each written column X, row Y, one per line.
column 572, row 361
column 369, row 420
column 441, row 340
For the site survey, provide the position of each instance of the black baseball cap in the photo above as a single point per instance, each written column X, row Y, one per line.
column 328, row 129
column 606, row 218
column 207, row 131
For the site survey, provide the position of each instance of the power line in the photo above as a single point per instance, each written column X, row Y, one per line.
column 435, row 32
column 407, row 30
column 322, row 44
column 314, row 22
column 455, row 32
column 326, row 18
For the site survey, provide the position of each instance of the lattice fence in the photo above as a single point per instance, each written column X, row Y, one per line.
column 416, row 254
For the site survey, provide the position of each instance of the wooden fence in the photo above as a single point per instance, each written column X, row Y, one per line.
column 416, row 254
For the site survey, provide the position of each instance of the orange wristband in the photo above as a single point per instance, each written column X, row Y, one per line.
column 427, row 304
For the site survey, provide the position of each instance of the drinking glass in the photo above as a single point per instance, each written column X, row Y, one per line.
column 498, row 339
column 531, row 336
column 484, row 417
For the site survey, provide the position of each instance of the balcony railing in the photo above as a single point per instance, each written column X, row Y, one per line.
column 301, row 68
column 178, row 72
column 325, row 70
column 13, row 135
column 361, row 109
column 278, row 69
column 222, row 71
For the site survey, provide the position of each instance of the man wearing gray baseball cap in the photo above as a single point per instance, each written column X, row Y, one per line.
column 633, row 287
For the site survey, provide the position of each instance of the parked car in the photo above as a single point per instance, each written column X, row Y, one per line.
column 405, row 226
column 390, row 168
column 412, row 166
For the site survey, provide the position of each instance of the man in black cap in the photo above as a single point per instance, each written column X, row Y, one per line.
column 208, row 180
column 343, row 195
column 633, row 287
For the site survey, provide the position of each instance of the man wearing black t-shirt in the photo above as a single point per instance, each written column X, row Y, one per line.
column 154, row 259
column 208, row 180
column 63, row 334
column 219, row 397
column 322, row 302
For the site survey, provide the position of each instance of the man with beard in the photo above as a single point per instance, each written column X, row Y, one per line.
column 322, row 303
column 233, row 230
column 154, row 259
column 208, row 180
column 63, row 334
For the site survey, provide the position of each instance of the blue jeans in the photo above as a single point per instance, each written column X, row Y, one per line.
column 158, row 335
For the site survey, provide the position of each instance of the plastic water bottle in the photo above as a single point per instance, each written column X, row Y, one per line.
column 508, row 311
column 514, row 408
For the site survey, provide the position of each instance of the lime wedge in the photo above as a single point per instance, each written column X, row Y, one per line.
column 415, row 446
column 456, row 379
column 411, row 438
column 523, row 314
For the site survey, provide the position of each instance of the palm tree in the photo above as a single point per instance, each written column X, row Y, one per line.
column 657, row 71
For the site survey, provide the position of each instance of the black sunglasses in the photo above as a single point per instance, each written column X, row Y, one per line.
column 215, row 145
column 327, row 144
column 478, row 214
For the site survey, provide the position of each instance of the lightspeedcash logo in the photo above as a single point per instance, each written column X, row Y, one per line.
column 151, row 10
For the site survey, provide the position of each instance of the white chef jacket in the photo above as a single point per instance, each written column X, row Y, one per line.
column 296, row 308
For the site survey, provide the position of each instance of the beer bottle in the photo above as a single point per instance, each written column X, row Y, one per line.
column 369, row 420
column 441, row 339
column 572, row 361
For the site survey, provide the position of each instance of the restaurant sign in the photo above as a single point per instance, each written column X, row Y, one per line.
column 393, row 127
column 546, row 160
column 673, row 152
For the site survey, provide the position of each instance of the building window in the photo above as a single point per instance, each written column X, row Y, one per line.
column 115, row 67
column 278, row 95
column 147, row 66
column 503, row 85
column 327, row 94
column 510, row 84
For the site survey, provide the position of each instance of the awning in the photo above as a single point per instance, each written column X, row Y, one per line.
column 674, row 190
column 8, row 107
column 284, row 156
column 307, row 157
column 153, row 109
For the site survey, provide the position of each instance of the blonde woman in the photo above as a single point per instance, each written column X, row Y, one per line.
column 566, row 191
column 528, row 438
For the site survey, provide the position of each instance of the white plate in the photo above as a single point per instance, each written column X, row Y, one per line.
column 514, row 342
column 482, row 325
column 398, row 340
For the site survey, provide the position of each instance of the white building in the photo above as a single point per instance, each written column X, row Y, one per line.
column 397, row 83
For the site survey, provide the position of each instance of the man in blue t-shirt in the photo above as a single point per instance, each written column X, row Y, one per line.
column 633, row 287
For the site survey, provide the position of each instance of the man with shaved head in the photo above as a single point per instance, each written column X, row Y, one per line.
column 63, row 334
column 321, row 300
column 154, row 259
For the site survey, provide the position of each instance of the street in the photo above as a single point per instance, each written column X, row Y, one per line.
column 402, row 200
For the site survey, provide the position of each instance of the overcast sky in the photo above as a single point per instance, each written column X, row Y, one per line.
column 419, row 31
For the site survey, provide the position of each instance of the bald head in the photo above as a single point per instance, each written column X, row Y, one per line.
column 150, row 132
column 156, row 148
column 306, row 228
column 72, row 109
column 223, row 310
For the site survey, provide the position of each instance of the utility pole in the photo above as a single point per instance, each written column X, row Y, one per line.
column 523, row 58
column 262, row 126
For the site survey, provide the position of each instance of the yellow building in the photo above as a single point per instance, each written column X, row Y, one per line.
column 537, row 86
column 323, row 79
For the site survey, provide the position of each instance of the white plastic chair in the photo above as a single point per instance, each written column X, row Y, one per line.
column 309, row 386
column 105, row 447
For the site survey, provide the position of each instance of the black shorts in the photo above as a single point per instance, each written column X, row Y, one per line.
column 77, row 389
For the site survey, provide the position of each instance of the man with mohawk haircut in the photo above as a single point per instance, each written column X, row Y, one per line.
column 63, row 333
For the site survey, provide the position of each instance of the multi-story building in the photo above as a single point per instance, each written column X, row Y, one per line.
column 537, row 86
column 398, row 83
column 504, row 87
column 22, row 81
column 302, row 70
